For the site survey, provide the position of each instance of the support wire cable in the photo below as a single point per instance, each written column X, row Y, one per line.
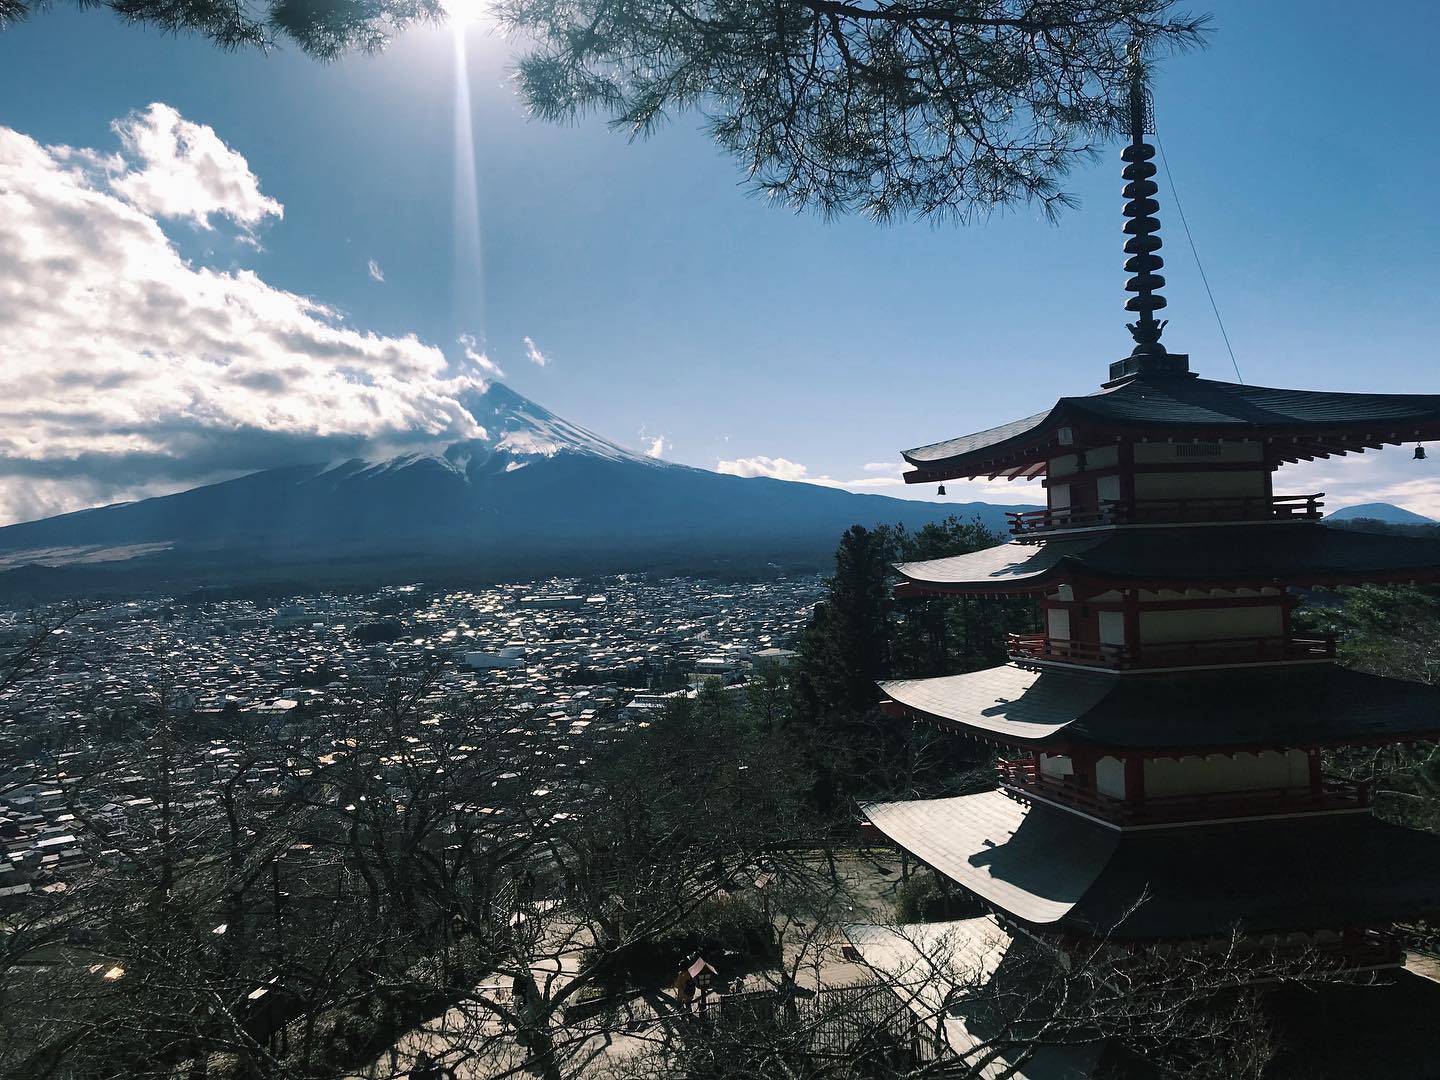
column 1175, row 194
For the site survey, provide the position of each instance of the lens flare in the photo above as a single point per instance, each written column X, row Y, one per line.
column 464, row 13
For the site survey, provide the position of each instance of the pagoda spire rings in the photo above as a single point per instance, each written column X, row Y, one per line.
column 1141, row 225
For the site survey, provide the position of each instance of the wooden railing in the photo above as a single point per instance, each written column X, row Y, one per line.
column 1026, row 523
column 1267, row 650
column 1023, row 777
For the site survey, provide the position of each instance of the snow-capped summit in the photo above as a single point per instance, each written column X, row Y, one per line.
column 522, row 428
column 535, row 494
column 517, row 431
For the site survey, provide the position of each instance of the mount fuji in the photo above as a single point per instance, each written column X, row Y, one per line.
column 537, row 495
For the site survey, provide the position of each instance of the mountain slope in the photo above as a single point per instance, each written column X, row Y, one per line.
column 1379, row 511
column 537, row 495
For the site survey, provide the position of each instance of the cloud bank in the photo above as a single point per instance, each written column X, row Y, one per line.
column 777, row 468
column 126, row 370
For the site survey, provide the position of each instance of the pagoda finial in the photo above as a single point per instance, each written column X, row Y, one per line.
column 1141, row 225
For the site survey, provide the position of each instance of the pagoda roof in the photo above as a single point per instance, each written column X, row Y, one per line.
column 1193, row 712
column 1044, row 866
column 1304, row 553
column 1315, row 423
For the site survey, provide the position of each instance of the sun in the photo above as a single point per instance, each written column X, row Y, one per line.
column 465, row 13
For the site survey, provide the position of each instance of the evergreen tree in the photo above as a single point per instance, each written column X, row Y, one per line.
column 1390, row 630
column 953, row 635
column 889, row 109
column 847, row 646
column 859, row 636
column 943, row 108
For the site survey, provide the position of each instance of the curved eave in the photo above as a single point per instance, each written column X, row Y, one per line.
column 1027, row 458
column 1075, row 574
column 1035, row 868
column 1351, row 423
column 1177, row 558
column 1014, row 450
column 1261, row 708
column 1043, row 867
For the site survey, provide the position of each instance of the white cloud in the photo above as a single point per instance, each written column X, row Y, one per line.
column 534, row 355
column 472, row 352
column 884, row 467
column 126, row 370
column 775, row 467
column 961, row 491
column 656, row 447
column 178, row 169
column 376, row 274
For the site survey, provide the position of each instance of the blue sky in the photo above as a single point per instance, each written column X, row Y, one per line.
column 669, row 302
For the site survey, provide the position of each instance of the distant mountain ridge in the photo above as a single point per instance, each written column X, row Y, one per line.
column 537, row 495
column 1380, row 511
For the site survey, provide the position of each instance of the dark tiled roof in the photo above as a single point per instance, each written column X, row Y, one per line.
column 1195, row 408
column 1037, row 870
column 1298, row 554
column 1044, row 866
column 965, row 444
column 1204, row 402
column 1278, row 706
column 1325, row 872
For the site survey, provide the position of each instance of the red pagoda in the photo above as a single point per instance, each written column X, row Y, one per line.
column 1161, row 739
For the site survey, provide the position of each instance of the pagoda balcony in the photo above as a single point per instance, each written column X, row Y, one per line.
column 1038, row 648
column 1022, row 779
column 1034, row 524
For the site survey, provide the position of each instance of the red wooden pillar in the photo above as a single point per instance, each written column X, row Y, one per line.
column 1127, row 472
column 1132, row 623
column 1135, row 782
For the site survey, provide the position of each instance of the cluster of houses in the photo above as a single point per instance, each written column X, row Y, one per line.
column 562, row 661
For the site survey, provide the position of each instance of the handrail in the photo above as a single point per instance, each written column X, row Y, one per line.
column 1023, row 777
column 1171, row 653
column 1210, row 508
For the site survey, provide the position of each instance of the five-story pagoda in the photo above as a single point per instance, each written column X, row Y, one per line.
column 1162, row 738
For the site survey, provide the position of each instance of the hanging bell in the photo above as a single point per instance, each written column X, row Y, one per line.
column 1419, row 453
column 942, row 486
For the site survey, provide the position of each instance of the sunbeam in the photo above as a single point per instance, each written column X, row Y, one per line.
column 468, row 284
column 464, row 13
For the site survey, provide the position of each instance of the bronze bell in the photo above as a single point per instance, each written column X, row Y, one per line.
column 1419, row 453
column 942, row 486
